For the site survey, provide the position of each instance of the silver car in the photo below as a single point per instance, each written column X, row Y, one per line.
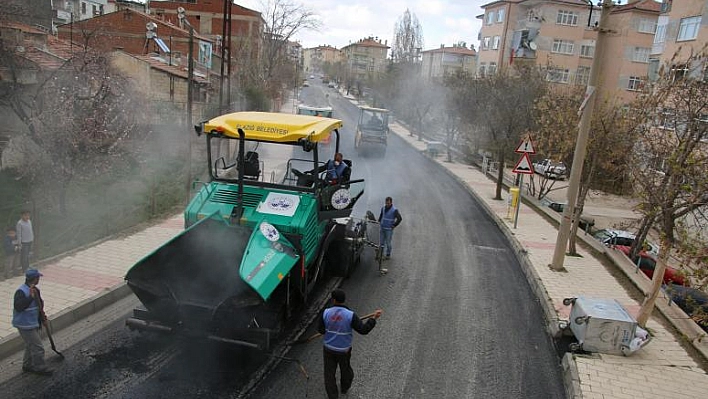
column 622, row 237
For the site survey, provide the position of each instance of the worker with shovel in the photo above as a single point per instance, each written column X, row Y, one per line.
column 337, row 324
column 27, row 317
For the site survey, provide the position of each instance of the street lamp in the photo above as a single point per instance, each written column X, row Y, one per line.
column 190, row 76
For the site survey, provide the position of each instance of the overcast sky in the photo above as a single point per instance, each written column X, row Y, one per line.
column 443, row 21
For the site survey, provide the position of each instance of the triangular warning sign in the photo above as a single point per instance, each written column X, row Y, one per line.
column 524, row 166
column 525, row 147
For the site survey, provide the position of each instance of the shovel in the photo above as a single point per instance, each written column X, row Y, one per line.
column 51, row 339
column 317, row 335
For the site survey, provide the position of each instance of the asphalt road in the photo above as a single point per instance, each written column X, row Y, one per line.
column 459, row 317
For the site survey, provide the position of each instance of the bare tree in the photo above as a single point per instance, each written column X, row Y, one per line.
column 78, row 120
column 670, row 161
column 283, row 20
column 502, row 106
column 407, row 38
column 609, row 146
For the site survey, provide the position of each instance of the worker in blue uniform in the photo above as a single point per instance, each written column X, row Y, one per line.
column 337, row 323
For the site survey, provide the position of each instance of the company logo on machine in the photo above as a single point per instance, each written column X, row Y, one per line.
column 341, row 199
column 279, row 204
column 269, row 232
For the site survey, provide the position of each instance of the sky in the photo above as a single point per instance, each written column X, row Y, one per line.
column 343, row 22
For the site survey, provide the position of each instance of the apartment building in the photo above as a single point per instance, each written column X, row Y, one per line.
column 314, row 58
column 559, row 36
column 681, row 32
column 443, row 61
column 366, row 57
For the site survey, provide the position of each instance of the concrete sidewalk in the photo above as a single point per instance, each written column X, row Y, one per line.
column 85, row 281
column 661, row 369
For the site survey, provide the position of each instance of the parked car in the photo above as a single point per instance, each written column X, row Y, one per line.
column 647, row 264
column 331, row 85
column 550, row 169
column 626, row 238
column 692, row 301
column 586, row 223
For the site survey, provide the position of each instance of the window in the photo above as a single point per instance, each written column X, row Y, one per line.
column 492, row 68
column 94, row 10
column 635, row 83
column 587, row 51
column 485, row 43
column 582, row 75
column 660, row 35
column 646, row 26
column 688, row 30
column 490, row 17
column 653, row 70
column 641, row 54
column 83, row 8
column 495, row 43
column 500, row 15
column 558, row 75
column 594, row 19
column 482, row 68
column 568, row 18
column 563, row 46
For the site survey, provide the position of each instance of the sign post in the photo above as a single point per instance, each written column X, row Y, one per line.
column 523, row 167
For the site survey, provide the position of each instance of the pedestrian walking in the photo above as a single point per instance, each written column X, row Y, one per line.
column 27, row 317
column 11, row 249
column 337, row 324
column 389, row 219
column 25, row 236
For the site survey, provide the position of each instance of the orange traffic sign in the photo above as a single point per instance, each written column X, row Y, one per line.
column 524, row 166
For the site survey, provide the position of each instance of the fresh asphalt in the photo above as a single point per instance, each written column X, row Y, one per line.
column 459, row 317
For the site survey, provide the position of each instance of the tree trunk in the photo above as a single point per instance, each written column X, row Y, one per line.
column 500, row 177
column 647, row 222
column 656, row 281
column 580, row 205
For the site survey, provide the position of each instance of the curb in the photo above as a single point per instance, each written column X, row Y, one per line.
column 13, row 343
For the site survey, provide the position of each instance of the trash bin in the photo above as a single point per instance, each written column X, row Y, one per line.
column 601, row 325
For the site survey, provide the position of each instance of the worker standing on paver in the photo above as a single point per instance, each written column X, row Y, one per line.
column 337, row 323
column 27, row 317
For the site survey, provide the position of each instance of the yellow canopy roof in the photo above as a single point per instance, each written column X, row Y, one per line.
column 273, row 127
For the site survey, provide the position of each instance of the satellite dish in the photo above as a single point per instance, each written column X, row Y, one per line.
column 533, row 46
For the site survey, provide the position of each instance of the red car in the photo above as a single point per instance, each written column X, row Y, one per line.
column 647, row 264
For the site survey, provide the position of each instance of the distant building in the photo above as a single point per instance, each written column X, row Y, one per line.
column 314, row 58
column 558, row 36
column 366, row 58
column 443, row 61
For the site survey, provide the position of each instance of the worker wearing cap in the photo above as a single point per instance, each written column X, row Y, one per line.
column 337, row 323
column 27, row 317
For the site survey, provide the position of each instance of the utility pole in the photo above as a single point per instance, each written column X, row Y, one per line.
column 582, row 141
column 190, row 77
